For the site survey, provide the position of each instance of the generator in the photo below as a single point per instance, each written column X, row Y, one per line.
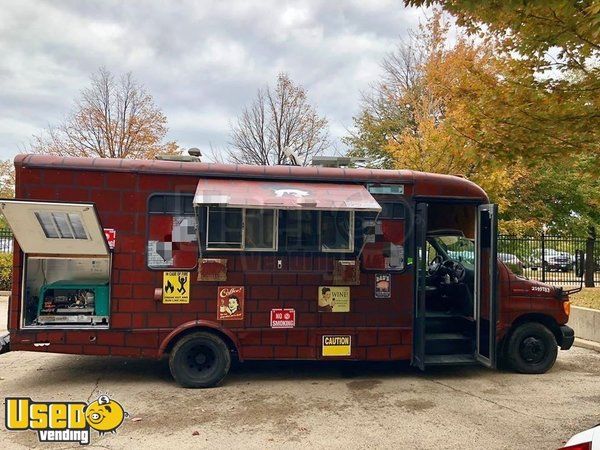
column 69, row 302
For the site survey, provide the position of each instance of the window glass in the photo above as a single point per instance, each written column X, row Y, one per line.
column 172, row 241
column 61, row 225
column 259, row 227
column 77, row 226
column 431, row 253
column 391, row 210
column 298, row 230
column 224, row 228
column 335, row 230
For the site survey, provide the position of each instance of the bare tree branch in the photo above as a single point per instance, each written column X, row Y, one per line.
column 276, row 119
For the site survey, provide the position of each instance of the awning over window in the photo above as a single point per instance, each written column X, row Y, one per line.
column 284, row 195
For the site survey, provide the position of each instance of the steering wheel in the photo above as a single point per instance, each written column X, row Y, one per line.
column 457, row 269
column 435, row 265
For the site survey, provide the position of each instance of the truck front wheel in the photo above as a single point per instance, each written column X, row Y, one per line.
column 199, row 360
column 531, row 348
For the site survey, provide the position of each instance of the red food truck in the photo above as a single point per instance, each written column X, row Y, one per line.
column 210, row 262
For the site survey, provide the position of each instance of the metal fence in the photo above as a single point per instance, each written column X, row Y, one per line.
column 550, row 259
column 6, row 240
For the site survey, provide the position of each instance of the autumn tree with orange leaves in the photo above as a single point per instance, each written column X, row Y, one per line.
column 462, row 106
column 113, row 118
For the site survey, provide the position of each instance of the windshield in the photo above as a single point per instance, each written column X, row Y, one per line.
column 458, row 248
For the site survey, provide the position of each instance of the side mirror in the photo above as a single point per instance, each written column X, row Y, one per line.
column 579, row 263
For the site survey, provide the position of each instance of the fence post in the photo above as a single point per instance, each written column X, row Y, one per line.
column 589, row 257
column 543, row 258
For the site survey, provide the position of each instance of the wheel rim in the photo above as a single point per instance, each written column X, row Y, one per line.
column 532, row 349
column 200, row 359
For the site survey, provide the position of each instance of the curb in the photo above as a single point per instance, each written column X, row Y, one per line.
column 590, row 345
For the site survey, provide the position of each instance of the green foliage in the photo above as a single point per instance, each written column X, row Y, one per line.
column 6, row 260
column 531, row 28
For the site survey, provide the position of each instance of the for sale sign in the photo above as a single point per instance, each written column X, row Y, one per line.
column 283, row 318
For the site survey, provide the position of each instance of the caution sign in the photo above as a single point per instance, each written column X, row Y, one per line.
column 337, row 345
column 176, row 287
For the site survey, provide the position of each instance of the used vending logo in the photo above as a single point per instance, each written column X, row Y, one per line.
column 64, row 421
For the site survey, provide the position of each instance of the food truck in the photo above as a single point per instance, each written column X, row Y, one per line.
column 208, row 263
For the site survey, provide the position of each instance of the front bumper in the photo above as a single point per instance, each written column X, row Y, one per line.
column 566, row 338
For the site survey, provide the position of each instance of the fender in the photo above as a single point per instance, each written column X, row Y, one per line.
column 197, row 324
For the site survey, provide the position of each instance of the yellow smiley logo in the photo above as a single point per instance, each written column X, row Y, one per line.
column 105, row 415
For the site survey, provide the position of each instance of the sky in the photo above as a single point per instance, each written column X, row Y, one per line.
column 202, row 61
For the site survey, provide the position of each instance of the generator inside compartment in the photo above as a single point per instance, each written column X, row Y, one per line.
column 71, row 292
column 73, row 303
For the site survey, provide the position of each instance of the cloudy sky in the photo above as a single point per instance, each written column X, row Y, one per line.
column 201, row 60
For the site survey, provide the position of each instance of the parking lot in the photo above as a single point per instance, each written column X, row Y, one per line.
column 327, row 405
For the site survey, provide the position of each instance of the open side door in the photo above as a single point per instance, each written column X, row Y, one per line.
column 51, row 228
column 418, row 356
column 486, row 284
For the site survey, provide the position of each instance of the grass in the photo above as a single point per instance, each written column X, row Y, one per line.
column 588, row 298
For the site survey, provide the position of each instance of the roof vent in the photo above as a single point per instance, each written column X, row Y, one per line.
column 193, row 155
column 337, row 161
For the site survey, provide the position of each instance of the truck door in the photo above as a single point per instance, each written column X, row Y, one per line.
column 418, row 358
column 485, row 305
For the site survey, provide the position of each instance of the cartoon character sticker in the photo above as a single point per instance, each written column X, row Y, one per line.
column 230, row 303
column 105, row 415
column 176, row 287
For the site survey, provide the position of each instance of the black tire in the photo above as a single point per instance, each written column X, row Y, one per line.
column 531, row 348
column 199, row 360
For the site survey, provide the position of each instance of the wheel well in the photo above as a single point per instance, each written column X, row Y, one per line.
column 230, row 344
column 544, row 319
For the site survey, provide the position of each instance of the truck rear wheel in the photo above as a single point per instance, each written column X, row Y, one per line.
column 531, row 348
column 199, row 360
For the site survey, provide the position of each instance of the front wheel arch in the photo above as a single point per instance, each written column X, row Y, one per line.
column 546, row 320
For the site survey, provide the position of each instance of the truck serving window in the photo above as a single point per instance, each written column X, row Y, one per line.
column 240, row 229
column 284, row 230
column 284, row 216
column 337, row 231
column 172, row 242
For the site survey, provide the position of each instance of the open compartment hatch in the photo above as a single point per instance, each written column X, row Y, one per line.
column 66, row 271
column 45, row 228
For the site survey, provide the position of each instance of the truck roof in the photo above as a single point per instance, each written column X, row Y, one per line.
column 424, row 184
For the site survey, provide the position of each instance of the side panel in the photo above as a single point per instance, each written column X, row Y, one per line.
column 381, row 328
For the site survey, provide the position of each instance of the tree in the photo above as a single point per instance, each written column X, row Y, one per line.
column 462, row 114
column 551, row 53
column 277, row 119
column 7, row 179
column 111, row 119
column 7, row 184
column 532, row 28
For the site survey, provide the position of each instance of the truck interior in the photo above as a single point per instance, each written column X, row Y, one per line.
column 450, row 328
column 66, row 271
